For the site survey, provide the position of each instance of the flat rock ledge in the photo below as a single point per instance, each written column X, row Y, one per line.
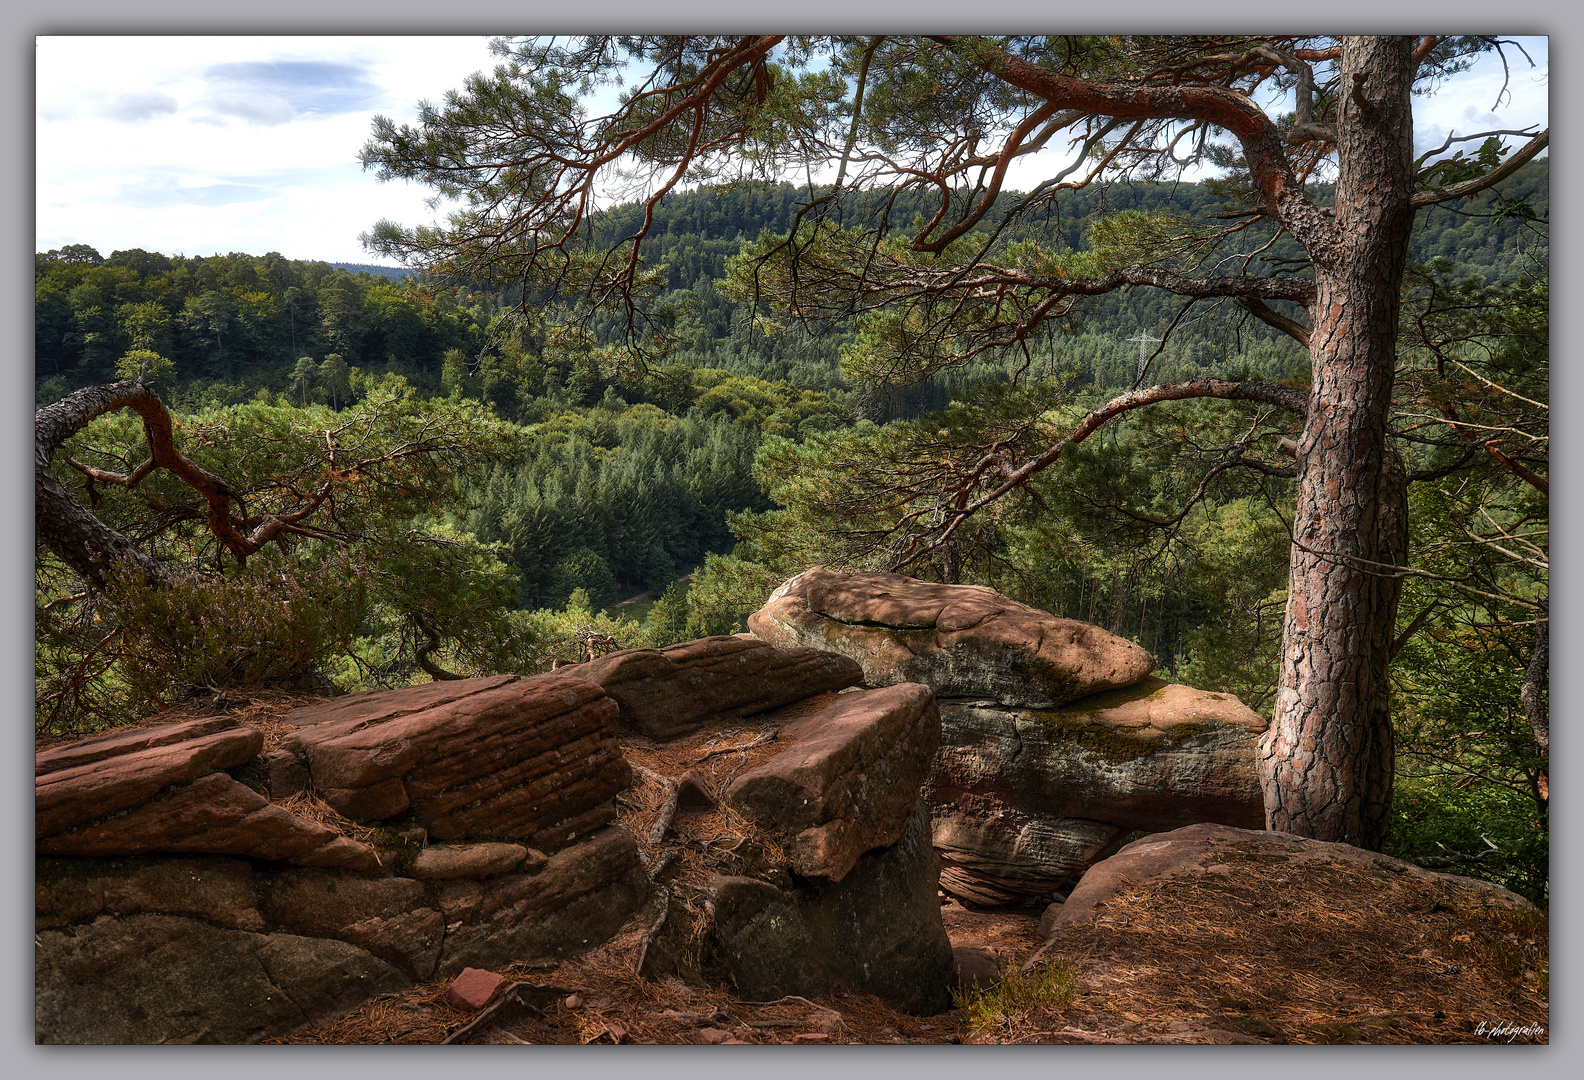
column 962, row 641
column 664, row 693
column 531, row 760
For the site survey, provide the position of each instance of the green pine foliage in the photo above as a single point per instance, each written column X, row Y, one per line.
column 749, row 445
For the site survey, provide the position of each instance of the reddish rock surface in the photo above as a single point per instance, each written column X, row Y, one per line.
column 1221, row 849
column 848, row 781
column 668, row 692
column 960, row 640
column 116, row 743
column 217, row 815
column 78, row 794
column 474, row 988
column 531, row 759
column 452, row 861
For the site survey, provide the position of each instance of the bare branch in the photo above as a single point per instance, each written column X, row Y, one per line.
column 1466, row 188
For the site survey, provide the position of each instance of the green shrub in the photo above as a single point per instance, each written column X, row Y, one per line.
column 274, row 623
column 985, row 1010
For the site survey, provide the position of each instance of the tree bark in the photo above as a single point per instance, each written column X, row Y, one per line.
column 1535, row 682
column 1326, row 761
column 60, row 522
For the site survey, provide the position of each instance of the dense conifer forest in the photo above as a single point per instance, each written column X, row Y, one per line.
column 566, row 480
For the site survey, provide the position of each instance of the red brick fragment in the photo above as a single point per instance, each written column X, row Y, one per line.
column 475, row 988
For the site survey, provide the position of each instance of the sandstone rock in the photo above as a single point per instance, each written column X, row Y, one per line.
column 975, row 966
column 75, row 795
column 1211, row 848
column 468, row 861
column 284, row 774
column 411, row 941
column 575, row 901
column 668, row 692
column 693, row 791
column 1048, row 919
column 878, row 930
column 1025, row 799
column 217, row 890
column 991, row 854
column 154, row 978
column 213, row 814
column 531, row 759
column 960, row 640
column 323, row 903
column 474, row 989
column 848, row 781
column 125, row 741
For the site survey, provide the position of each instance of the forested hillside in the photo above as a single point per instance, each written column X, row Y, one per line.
column 557, row 482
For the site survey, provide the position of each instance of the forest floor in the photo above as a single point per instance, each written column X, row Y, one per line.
column 1179, row 965
column 1339, row 953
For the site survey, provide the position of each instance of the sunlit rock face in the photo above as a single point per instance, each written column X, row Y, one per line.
column 1055, row 738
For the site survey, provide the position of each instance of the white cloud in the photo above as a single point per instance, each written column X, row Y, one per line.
column 231, row 143
column 266, row 109
column 134, row 107
column 250, row 143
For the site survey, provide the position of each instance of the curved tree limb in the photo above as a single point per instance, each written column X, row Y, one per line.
column 952, row 518
column 1268, row 315
column 1263, row 143
column 61, row 523
column 1473, row 187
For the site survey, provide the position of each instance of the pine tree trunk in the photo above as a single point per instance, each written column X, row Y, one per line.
column 1326, row 762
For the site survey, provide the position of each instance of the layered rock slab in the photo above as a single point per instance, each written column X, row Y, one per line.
column 211, row 949
column 162, row 789
column 531, row 759
column 879, row 930
column 848, row 781
column 960, row 640
column 1027, row 798
column 665, row 693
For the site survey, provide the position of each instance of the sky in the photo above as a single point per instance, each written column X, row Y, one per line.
column 203, row 145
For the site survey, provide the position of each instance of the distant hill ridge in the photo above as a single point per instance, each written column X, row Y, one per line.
column 395, row 273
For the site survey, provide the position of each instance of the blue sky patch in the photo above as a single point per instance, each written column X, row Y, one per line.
column 261, row 91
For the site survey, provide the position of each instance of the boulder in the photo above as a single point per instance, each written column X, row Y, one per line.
column 1207, row 848
column 976, row 967
column 877, row 931
column 992, row 855
column 151, row 978
column 848, row 781
column 532, row 759
column 664, row 693
column 962, row 641
column 1027, row 798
